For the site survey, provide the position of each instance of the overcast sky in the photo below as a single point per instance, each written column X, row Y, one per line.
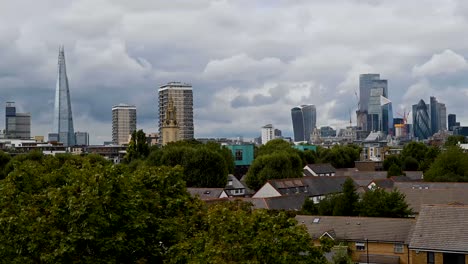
column 249, row 61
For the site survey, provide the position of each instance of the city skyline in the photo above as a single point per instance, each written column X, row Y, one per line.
column 248, row 69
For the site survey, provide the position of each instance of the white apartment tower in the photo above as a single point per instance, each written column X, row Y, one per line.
column 123, row 123
column 182, row 96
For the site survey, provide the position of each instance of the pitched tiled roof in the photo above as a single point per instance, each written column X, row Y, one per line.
column 359, row 228
column 432, row 185
column 415, row 198
column 286, row 202
column 441, row 228
column 314, row 186
column 363, row 175
column 235, row 183
column 321, row 168
column 206, row 193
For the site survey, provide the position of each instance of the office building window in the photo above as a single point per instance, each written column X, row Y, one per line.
column 238, row 154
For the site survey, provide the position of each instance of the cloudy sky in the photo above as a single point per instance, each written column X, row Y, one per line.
column 249, row 61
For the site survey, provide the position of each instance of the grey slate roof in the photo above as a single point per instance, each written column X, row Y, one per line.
column 432, row 185
column 314, row 186
column 321, row 168
column 205, row 193
column 415, row 198
column 391, row 230
column 235, row 183
column 441, row 228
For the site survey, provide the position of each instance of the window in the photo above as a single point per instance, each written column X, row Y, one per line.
column 398, row 248
column 229, row 183
column 430, row 258
column 239, row 154
column 360, row 246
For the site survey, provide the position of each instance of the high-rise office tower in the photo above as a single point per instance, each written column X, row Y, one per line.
column 182, row 96
column 123, row 123
column 304, row 119
column 438, row 113
column 63, row 119
column 421, row 120
column 452, row 121
column 82, row 138
column 17, row 125
column 369, row 114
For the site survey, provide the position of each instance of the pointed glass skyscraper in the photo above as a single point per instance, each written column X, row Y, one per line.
column 63, row 119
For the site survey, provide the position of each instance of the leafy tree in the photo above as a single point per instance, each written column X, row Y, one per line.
column 340, row 156
column 341, row 256
column 72, row 210
column 138, row 146
column 380, row 203
column 416, row 150
column 349, row 200
column 309, row 207
column 234, row 233
column 390, row 160
column 450, row 165
column 4, row 160
column 278, row 165
column 410, row 164
column 394, row 170
column 453, row 140
column 205, row 168
column 273, row 146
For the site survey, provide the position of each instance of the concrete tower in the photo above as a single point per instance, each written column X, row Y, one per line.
column 182, row 96
column 63, row 118
column 124, row 119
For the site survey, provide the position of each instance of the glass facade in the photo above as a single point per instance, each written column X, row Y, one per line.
column 63, row 119
column 421, row 120
column 304, row 119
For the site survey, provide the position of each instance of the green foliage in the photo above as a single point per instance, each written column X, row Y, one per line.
column 4, row 160
column 410, row 164
column 418, row 156
column 234, row 233
column 71, row 210
column 417, row 150
column 380, row 203
column 205, row 168
column 390, row 160
column 278, row 165
column 340, row 156
column 454, row 140
column 377, row 203
column 394, row 170
column 450, row 165
column 341, row 256
column 205, row 165
column 273, row 146
column 138, row 147
column 326, row 243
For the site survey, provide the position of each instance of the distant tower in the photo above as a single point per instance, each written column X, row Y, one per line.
column 268, row 133
column 17, row 125
column 123, row 123
column 182, row 96
column 304, row 119
column 63, row 119
column 170, row 127
column 421, row 120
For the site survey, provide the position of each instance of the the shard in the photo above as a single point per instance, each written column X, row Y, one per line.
column 63, row 119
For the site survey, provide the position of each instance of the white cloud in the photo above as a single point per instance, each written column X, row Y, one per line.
column 445, row 62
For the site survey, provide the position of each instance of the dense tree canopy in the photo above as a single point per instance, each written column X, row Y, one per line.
column 340, row 156
column 450, row 165
column 453, row 140
column 138, row 146
column 83, row 210
column 279, row 165
column 234, row 233
column 205, row 165
column 374, row 203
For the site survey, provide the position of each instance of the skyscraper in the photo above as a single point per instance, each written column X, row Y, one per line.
column 369, row 114
column 438, row 113
column 17, row 125
column 63, row 119
column 123, row 123
column 421, row 120
column 304, row 119
column 452, row 121
column 81, row 138
column 268, row 133
column 182, row 96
